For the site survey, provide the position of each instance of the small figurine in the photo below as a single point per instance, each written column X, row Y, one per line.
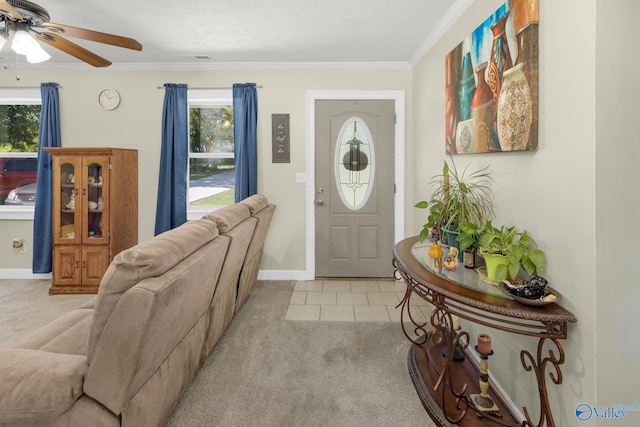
column 72, row 202
column 451, row 260
column 434, row 233
column 435, row 252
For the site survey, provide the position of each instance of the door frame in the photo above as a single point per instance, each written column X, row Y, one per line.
column 316, row 95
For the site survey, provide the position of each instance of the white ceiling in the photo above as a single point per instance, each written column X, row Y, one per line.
column 173, row 33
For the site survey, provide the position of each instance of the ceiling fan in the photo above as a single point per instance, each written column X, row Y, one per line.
column 24, row 20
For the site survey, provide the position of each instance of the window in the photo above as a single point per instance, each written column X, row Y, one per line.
column 355, row 163
column 19, row 128
column 211, row 158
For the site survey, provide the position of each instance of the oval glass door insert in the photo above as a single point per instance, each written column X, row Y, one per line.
column 354, row 163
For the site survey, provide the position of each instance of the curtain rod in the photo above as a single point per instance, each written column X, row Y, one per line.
column 23, row 87
column 207, row 88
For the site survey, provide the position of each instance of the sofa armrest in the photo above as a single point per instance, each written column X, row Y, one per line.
column 37, row 384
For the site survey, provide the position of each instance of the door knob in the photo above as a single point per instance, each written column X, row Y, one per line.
column 319, row 202
column 320, row 190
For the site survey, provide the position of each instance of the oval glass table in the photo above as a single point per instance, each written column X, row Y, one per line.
column 448, row 384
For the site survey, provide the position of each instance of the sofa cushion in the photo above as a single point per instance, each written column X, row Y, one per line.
column 90, row 303
column 37, row 384
column 145, row 260
column 68, row 334
column 255, row 203
column 239, row 226
column 251, row 266
column 150, row 320
column 228, row 217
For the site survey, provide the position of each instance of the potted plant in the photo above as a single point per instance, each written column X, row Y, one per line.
column 469, row 235
column 506, row 250
column 457, row 196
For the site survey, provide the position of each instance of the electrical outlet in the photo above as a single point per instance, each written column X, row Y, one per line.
column 301, row 177
column 19, row 244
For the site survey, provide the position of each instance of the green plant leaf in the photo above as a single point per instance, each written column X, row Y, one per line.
column 529, row 267
column 514, row 269
column 424, row 233
column 538, row 258
column 501, row 273
column 423, row 204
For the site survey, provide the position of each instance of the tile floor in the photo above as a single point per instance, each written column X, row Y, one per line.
column 351, row 301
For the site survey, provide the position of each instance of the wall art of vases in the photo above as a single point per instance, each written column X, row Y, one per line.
column 452, row 103
column 500, row 59
column 492, row 81
column 466, row 137
column 514, row 110
column 483, row 112
column 527, row 38
column 467, row 83
column 523, row 12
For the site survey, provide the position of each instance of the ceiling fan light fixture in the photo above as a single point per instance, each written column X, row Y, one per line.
column 37, row 56
column 24, row 44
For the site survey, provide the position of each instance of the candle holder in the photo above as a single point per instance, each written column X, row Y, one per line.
column 483, row 402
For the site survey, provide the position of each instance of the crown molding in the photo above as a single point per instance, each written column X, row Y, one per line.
column 452, row 15
column 180, row 66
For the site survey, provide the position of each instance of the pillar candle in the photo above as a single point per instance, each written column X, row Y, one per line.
column 455, row 320
column 484, row 343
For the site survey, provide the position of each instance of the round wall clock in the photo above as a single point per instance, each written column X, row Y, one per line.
column 109, row 99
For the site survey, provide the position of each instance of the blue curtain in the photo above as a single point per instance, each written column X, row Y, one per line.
column 245, row 120
column 171, row 209
column 49, row 136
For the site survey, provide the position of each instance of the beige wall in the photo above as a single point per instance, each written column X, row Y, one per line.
column 550, row 192
column 136, row 124
column 618, row 204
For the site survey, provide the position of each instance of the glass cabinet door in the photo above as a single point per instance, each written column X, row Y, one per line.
column 67, row 200
column 95, row 224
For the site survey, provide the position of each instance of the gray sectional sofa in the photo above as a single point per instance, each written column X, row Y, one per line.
column 125, row 357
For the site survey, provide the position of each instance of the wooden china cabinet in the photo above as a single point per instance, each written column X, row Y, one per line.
column 95, row 213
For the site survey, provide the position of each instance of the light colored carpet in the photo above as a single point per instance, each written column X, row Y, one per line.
column 268, row 371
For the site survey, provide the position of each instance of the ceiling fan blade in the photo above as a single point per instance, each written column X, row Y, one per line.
column 73, row 49
column 7, row 8
column 95, row 36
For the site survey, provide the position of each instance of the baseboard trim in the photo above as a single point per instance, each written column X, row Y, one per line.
column 282, row 275
column 21, row 273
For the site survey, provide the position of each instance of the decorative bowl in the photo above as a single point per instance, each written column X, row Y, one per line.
column 534, row 302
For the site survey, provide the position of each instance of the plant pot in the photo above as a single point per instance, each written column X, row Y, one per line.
column 493, row 261
column 452, row 240
column 469, row 258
